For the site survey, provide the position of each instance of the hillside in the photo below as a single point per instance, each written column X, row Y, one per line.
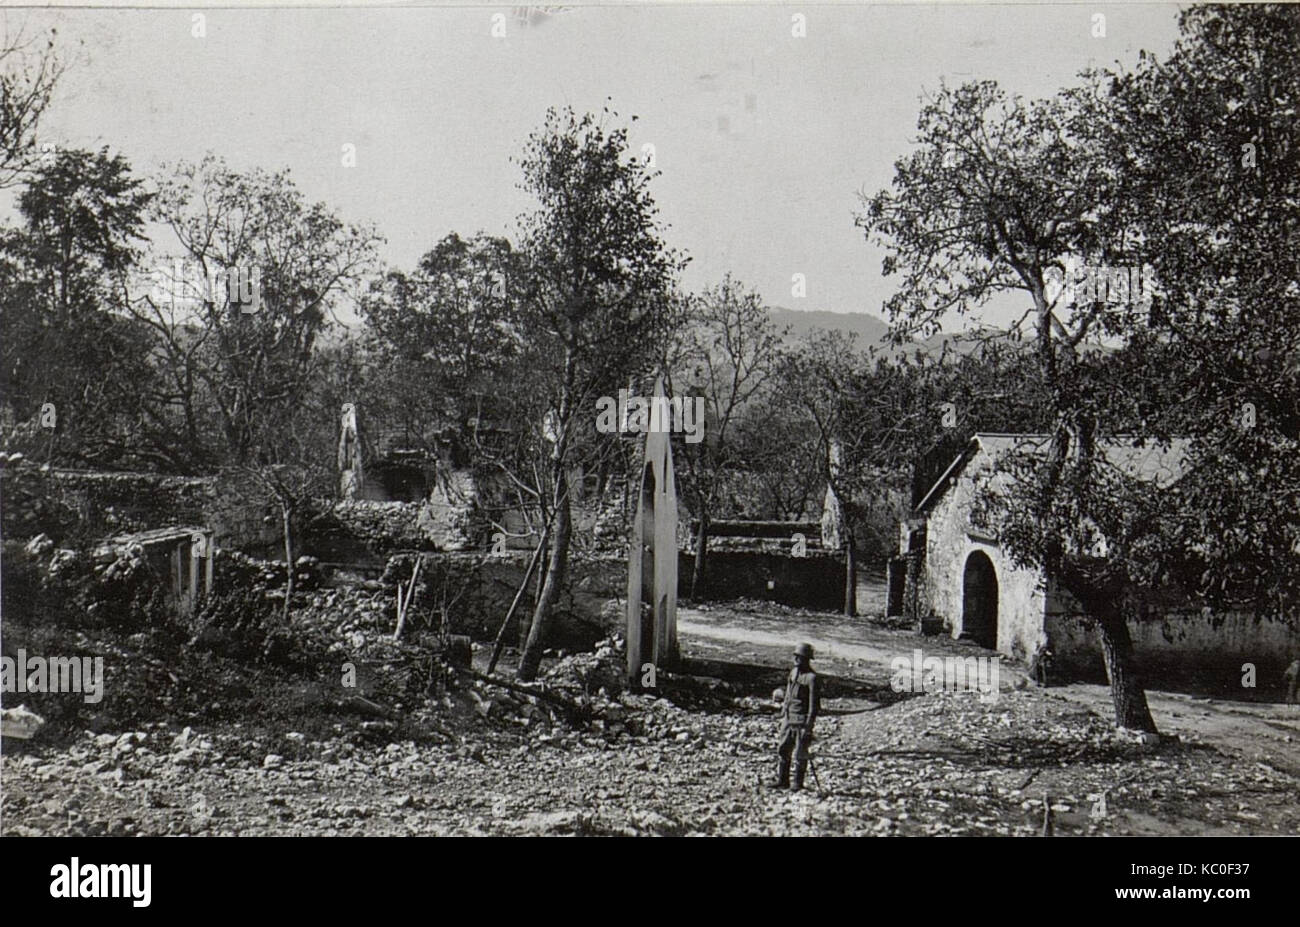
column 869, row 329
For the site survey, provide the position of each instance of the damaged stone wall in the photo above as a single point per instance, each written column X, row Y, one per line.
column 461, row 515
column 771, row 561
column 476, row 591
column 86, row 505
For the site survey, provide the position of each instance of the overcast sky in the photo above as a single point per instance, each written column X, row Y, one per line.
column 764, row 139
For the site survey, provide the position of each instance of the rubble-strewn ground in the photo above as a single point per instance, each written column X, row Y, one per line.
column 496, row 762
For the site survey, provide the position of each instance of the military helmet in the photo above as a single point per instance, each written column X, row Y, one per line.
column 805, row 651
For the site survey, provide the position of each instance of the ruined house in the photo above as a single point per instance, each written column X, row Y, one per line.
column 180, row 557
column 954, row 577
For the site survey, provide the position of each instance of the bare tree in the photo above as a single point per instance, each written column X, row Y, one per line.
column 731, row 353
column 29, row 71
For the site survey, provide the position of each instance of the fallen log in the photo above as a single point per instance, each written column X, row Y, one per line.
column 574, row 710
column 366, row 707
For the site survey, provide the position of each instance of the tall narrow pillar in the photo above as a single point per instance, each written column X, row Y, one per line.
column 652, row 554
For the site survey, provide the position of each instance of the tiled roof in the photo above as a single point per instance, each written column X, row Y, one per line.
column 1132, row 455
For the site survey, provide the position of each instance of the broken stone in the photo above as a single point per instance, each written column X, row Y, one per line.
column 39, row 546
column 21, row 722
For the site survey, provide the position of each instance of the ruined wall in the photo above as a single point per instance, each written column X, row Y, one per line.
column 81, row 504
column 950, row 540
column 357, row 529
column 589, row 608
column 452, row 519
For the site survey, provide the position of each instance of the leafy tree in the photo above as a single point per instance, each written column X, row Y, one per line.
column 780, row 473
column 234, row 368
column 1206, row 145
column 443, row 336
column 63, row 284
column 997, row 197
column 732, row 351
column 596, row 294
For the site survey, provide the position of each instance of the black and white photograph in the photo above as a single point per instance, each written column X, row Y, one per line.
column 621, row 420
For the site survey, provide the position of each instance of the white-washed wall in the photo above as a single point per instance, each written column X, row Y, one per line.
column 950, row 540
column 1183, row 645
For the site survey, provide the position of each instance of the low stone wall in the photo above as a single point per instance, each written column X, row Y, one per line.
column 1187, row 648
column 81, row 505
column 477, row 591
column 363, row 529
column 813, row 581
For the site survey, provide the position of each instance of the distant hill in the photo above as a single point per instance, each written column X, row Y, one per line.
column 869, row 329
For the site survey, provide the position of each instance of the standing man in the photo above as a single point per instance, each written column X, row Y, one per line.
column 798, row 712
column 1292, row 676
column 1040, row 663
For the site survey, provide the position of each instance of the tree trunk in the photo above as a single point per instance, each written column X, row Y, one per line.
column 701, row 551
column 1126, row 689
column 530, row 660
column 850, row 576
column 526, row 624
column 536, row 558
column 287, row 517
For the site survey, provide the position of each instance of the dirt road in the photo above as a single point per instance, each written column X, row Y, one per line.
column 1260, row 739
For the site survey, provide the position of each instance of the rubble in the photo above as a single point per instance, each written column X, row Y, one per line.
column 941, row 764
column 250, row 749
column 588, row 674
column 20, row 722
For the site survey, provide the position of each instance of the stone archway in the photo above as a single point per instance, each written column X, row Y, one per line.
column 979, row 601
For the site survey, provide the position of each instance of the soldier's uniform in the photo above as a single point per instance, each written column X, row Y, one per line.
column 1292, row 676
column 798, row 712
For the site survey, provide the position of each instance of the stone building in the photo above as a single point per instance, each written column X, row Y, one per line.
column 957, row 578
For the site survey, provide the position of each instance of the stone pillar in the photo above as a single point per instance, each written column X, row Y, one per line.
column 652, row 560
column 832, row 509
column 351, row 477
column 913, row 600
column 895, row 583
column 911, row 583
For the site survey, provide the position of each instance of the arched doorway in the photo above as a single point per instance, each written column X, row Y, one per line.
column 979, row 601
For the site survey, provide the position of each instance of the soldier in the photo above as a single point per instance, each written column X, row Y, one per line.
column 1040, row 663
column 1292, row 676
column 798, row 712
